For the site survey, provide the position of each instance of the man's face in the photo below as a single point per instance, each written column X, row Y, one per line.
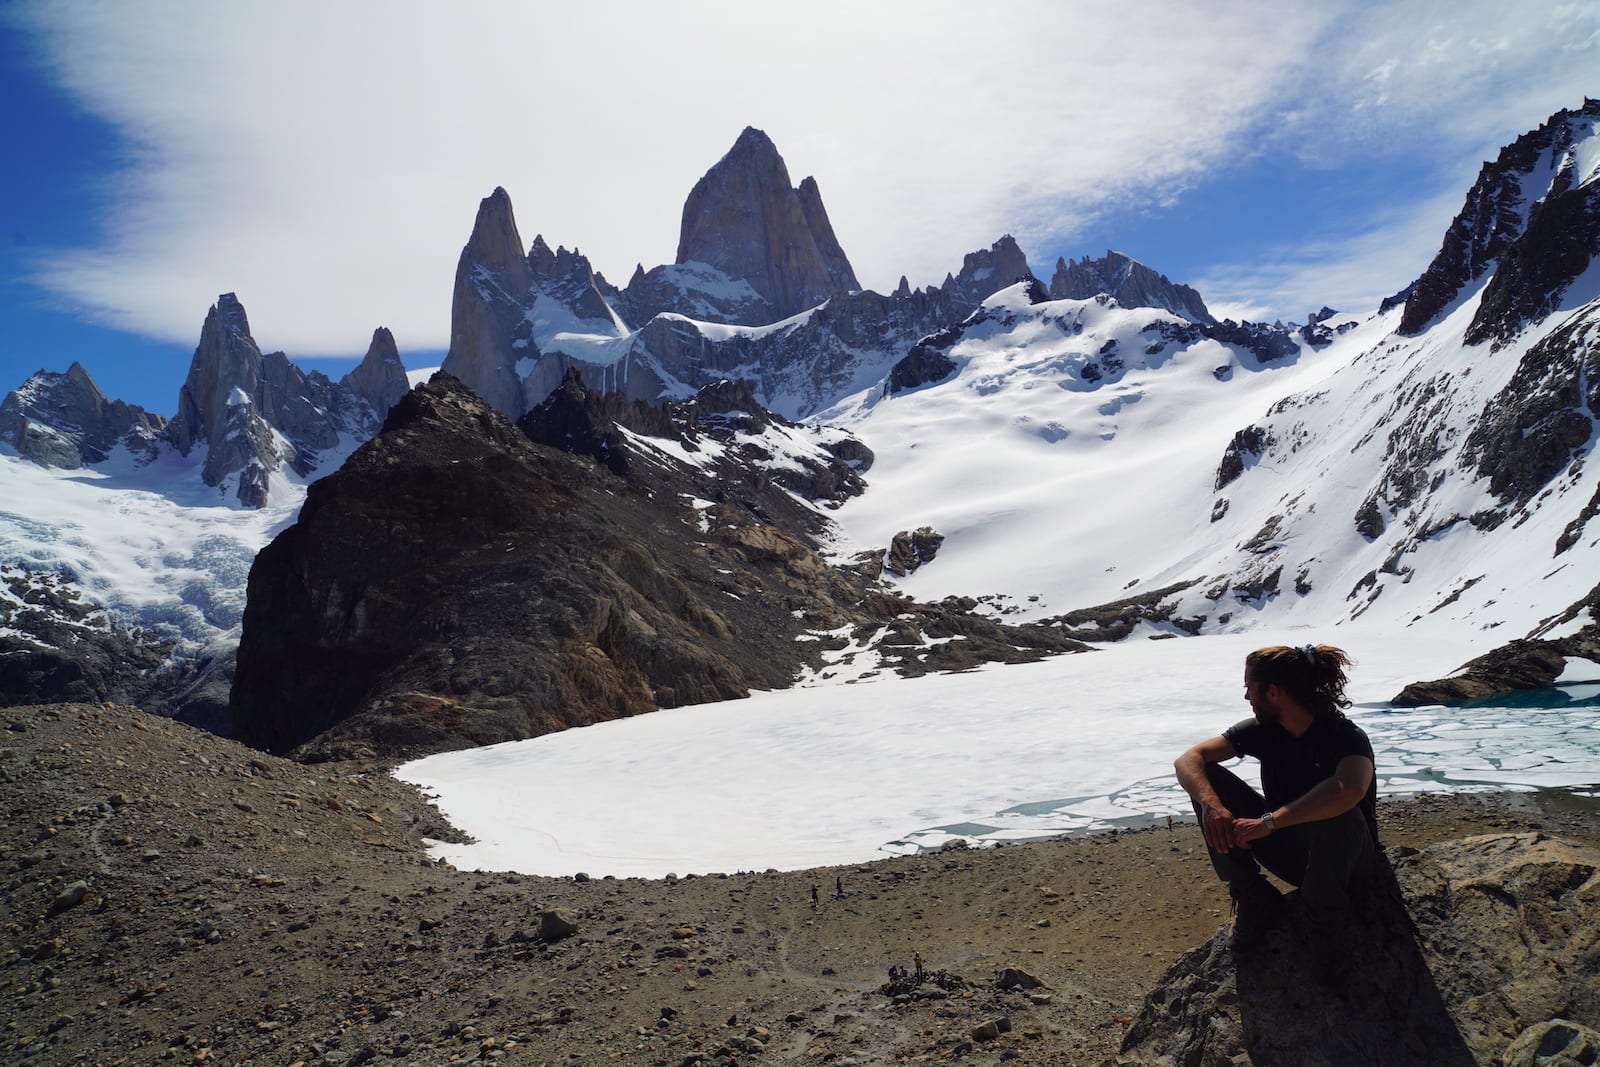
column 1257, row 695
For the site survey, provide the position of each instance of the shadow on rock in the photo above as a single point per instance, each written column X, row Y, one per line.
column 1460, row 949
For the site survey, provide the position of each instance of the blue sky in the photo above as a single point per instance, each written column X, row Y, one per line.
column 325, row 161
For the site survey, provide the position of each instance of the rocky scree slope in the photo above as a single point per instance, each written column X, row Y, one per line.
column 457, row 584
column 173, row 896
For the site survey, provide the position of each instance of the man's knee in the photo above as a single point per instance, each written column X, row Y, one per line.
column 1340, row 853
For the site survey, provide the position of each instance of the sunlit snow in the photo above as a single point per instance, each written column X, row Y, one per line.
column 847, row 773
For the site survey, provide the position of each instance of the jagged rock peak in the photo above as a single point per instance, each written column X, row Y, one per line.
column 380, row 377
column 987, row 271
column 63, row 420
column 1504, row 210
column 1129, row 282
column 745, row 219
column 493, row 278
column 225, row 359
column 495, row 243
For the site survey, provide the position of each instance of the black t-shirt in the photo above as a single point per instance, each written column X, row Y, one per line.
column 1291, row 766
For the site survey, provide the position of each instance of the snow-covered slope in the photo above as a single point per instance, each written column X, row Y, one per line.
column 1076, row 457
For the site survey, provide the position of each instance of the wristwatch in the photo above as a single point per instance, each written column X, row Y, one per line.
column 1267, row 818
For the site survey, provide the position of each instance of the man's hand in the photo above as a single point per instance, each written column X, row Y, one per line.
column 1248, row 830
column 1221, row 828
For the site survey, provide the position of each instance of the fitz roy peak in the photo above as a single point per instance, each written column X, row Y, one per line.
column 762, row 290
column 743, row 219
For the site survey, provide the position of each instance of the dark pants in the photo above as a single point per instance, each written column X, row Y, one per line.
column 1324, row 859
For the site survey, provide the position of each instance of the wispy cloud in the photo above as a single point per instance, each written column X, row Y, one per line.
column 325, row 160
column 1353, row 273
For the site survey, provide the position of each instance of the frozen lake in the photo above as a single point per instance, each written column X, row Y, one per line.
column 846, row 773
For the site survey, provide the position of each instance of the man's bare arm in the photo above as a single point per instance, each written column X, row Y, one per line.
column 1328, row 798
column 1216, row 821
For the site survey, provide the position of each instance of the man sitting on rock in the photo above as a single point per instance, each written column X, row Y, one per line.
column 1317, row 827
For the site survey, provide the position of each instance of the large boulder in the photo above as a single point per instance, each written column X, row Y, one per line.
column 1471, row 944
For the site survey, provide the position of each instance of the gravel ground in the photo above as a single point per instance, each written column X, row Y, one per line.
column 169, row 896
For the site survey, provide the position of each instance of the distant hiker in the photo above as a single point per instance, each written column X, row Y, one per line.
column 1169, row 824
column 1317, row 827
column 894, row 972
column 916, row 960
column 838, row 886
column 815, row 900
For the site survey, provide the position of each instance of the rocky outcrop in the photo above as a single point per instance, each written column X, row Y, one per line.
column 1245, row 448
column 744, row 219
column 1471, row 945
column 63, row 420
column 380, row 378
column 986, row 272
column 256, row 413
column 1541, row 230
column 909, row 550
column 456, row 584
column 1541, row 422
column 1516, row 667
column 1129, row 282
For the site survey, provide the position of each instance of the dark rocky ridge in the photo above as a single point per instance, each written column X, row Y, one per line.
column 456, row 584
column 1499, row 225
column 1540, row 424
column 1128, row 282
column 1518, row 666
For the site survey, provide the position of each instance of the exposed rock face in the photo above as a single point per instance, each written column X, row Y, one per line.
column 745, row 219
column 380, row 377
column 1518, row 666
column 1129, row 282
column 56, row 646
column 1542, row 231
column 1496, row 935
column 910, row 549
column 63, row 420
column 1542, row 420
column 1245, row 448
column 254, row 412
column 986, row 272
column 456, row 584
column 487, row 311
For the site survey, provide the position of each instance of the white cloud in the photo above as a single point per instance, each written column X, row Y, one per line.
column 325, row 160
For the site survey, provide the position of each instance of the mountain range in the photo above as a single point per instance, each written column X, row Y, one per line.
column 553, row 531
